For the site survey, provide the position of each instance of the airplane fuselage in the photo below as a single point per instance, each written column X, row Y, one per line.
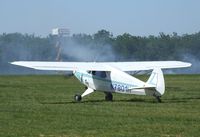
column 110, row 82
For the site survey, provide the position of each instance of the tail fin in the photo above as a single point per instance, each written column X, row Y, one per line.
column 157, row 80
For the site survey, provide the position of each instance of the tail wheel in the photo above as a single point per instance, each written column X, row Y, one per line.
column 77, row 98
column 158, row 99
column 108, row 97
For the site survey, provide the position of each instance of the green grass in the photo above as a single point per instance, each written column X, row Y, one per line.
column 43, row 106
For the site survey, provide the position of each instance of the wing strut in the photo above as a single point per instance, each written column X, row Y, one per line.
column 87, row 92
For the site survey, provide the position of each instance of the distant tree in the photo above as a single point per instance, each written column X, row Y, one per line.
column 126, row 47
column 103, row 37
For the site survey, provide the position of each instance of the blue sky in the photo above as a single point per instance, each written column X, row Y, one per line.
column 137, row 17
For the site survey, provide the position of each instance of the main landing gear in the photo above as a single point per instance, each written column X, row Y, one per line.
column 108, row 96
column 77, row 98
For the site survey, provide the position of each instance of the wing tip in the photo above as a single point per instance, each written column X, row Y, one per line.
column 187, row 64
column 15, row 62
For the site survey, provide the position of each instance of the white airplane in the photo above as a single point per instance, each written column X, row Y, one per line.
column 111, row 77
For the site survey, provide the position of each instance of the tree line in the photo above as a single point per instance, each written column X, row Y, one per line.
column 125, row 47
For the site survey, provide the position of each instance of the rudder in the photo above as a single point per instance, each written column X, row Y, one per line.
column 157, row 80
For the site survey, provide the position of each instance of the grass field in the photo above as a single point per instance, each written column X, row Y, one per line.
column 42, row 106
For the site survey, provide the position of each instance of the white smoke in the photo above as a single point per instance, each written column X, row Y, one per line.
column 195, row 68
column 89, row 52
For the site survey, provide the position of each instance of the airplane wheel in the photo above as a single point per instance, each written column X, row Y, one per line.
column 158, row 99
column 108, row 97
column 77, row 98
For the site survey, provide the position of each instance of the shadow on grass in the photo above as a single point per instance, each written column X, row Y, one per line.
column 73, row 102
column 133, row 100
column 136, row 100
column 181, row 100
column 174, row 88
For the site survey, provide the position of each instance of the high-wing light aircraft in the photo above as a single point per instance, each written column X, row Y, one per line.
column 111, row 77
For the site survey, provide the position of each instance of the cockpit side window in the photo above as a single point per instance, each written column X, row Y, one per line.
column 101, row 74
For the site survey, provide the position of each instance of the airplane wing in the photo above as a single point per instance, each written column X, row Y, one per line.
column 101, row 66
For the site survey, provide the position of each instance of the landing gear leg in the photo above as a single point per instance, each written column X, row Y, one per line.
column 108, row 96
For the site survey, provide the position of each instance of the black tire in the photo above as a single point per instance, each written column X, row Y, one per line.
column 108, row 97
column 77, row 98
column 158, row 99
